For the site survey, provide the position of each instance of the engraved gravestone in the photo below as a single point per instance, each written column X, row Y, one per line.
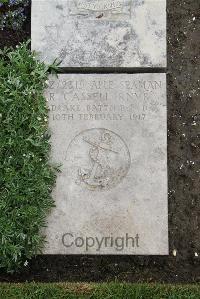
column 109, row 133
column 106, row 33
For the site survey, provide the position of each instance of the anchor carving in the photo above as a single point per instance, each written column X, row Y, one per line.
column 101, row 170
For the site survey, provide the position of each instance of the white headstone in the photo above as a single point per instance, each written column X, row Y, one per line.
column 106, row 33
column 109, row 133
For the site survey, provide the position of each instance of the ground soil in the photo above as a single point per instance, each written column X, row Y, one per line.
column 183, row 172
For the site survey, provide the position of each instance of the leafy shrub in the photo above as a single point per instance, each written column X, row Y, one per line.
column 26, row 175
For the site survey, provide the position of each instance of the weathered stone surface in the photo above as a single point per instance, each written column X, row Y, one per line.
column 106, row 33
column 109, row 132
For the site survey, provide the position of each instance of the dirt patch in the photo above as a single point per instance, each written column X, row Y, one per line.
column 183, row 169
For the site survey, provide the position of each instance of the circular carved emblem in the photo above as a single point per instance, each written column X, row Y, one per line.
column 98, row 159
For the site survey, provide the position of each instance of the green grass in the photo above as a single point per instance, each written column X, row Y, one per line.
column 26, row 175
column 98, row 291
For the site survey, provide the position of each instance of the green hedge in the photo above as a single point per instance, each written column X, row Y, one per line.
column 26, row 175
column 98, row 291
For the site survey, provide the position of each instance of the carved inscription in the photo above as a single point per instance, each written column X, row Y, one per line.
column 105, row 9
column 93, row 100
column 100, row 5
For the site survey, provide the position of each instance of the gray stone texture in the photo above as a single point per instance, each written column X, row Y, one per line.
column 109, row 133
column 106, row 33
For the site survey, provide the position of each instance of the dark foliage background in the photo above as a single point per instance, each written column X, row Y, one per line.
column 14, row 22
